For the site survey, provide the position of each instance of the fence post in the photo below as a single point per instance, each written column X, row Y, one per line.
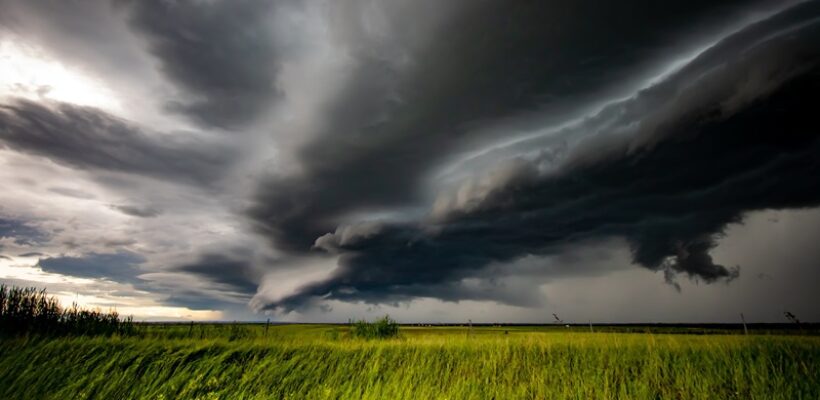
column 745, row 330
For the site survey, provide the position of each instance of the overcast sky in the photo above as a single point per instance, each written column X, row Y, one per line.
column 320, row 160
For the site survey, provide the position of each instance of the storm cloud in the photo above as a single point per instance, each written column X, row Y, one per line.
column 414, row 96
column 234, row 273
column 738, row 136
column 21, row 232
column 223, row 55
column 301, row 156
column 90, row 138
column 122, row 266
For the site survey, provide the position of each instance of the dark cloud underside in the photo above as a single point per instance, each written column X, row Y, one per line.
column 221, row 54
column 724, row 150
column 234, row 274
column 122, row 266
column 21, row 232
column 664, row 206
column 393, row 122
column 89, row 138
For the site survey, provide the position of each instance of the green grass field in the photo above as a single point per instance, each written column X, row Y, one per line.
column 324, row 362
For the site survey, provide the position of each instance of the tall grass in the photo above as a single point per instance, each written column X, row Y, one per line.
column 29, row 311
column 300, row 362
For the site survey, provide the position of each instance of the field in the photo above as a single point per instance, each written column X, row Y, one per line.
column 325, row 362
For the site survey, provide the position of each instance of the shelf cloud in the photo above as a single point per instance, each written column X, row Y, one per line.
column 296, row 157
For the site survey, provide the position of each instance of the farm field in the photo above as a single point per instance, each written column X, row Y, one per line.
column 245, row 361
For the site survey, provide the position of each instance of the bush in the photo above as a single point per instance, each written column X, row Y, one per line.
column 381, row 328
column 26, row 311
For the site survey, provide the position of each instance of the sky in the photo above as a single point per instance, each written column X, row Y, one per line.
column 484, row 160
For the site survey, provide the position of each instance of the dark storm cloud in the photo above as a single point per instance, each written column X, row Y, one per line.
column 731, row 76
column 211, row 281
column 120, row 267
column 136, row 211
column 21, row 232
column 124, row 267
column 232, row 273
column 740, row 136
column 89, row 138
column 415, row 94
column 223, row 54
column 193, row 299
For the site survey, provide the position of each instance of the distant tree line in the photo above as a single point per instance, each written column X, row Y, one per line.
column 30, row 311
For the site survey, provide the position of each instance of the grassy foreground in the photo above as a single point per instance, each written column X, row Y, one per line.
column 322, row 362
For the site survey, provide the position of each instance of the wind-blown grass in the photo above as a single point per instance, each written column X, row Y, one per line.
column 301, row 362
column 29, row 311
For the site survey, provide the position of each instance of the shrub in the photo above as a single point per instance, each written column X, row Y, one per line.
column 381, row 328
